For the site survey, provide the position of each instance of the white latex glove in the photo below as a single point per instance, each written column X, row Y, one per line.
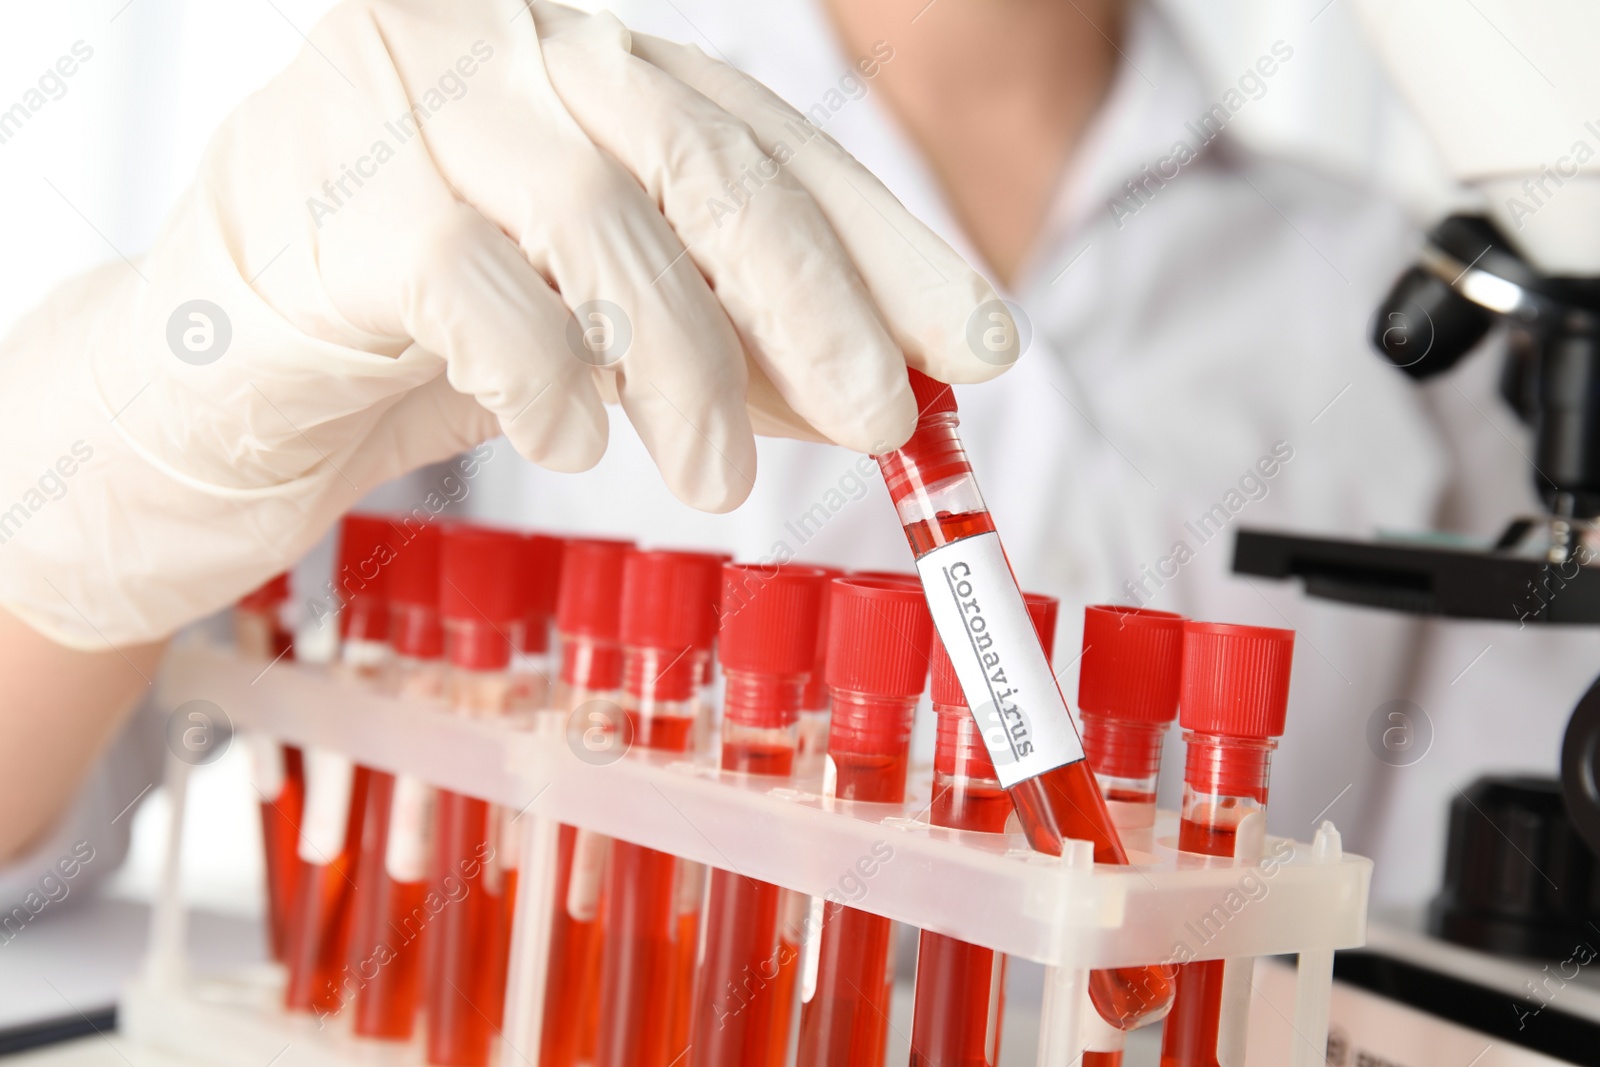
column 392, row 297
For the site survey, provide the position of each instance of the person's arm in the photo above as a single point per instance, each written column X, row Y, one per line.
column 59, row 707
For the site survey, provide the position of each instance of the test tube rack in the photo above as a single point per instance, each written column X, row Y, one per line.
column 1063, row 912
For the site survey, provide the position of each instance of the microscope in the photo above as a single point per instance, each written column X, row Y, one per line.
column 1519, row 129
column 1515, row 113
column 1543, row 569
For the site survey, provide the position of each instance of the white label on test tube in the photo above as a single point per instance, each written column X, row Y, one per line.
column 984, row 624
column 405, row 857
column 810, row 943
column 688, row 887
column 329, row 777
column 588, row 869
column 267, row 770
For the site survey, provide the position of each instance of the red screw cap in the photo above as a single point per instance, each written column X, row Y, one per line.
column 933, row 397
column 1042, row 610
column 669, row 603
column 414, row 593
column 1132, row 663
column 710, row 619
column 268, row 595
column 478, row 594
column 879, row 631
column 816, row 695
column 539, row 577
column 365, row 552
column 414, row 574
column 769, row 618
column 364, row 555
column 890, row 576
column 1235, row 679
column 589, row 603
column 478, row 571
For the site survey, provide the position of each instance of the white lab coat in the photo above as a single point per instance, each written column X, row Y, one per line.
column 1178, row 341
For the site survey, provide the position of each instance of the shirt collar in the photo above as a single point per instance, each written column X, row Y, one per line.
column 1158, row 87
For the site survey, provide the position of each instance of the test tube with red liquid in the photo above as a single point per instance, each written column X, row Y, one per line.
column 795, row 908
column 960, row 990
column 668, row 600
column 1128, row 678
column 979, row 614
column 390, row 917
column 532, row 662
column 330, row 827
column 877, row 666
column 1235, row 699
column 262, row 632
column 467, row 941
column 689, row 886
column 767, row 645
column 588, row 689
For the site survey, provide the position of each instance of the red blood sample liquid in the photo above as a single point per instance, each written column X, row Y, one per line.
column 328, row 848
column 262, row 632
column 1128, row 679
column 468, row 940
column 794, row 909
column 1235, row 696
column 688, row 895
column 668, row 600
column 390, row 917
column 978, row 611
column 589, row 620
column 877, row 665
column 335, row 798
column 960, row 991
column 768, row 647
column 533, row 669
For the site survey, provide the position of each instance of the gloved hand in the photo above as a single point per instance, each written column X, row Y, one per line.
column 444, row 222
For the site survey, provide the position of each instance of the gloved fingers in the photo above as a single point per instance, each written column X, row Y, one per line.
column 470, row 297
column 647, row 322
column 429, row 424
column 935, row 305
column 768, row 251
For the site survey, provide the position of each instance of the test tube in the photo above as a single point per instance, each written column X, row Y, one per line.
column 668, row 599
column 879, row 633
column 960, row 990
column 979, row 614
column 262, row 632
column 705, row 722
column 795, row 908
column 390, row 919
column 467, row 944
column 767, row 644
column 814, row 707
column 1128, row 678
column 330, row 827
column 588, row 689
column 531, row 661
column 689, row 884
column 1235, row 698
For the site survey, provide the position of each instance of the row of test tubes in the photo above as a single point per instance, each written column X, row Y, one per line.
column 390, row 903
